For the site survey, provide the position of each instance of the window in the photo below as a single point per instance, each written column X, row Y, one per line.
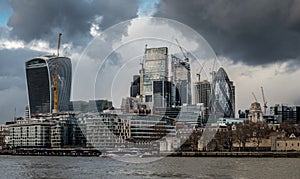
column 148, row 98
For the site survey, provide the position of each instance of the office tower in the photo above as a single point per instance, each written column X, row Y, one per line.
column 284, row 112
column 182, row 82
column 202, row 91
column 135, row 86
column 39, row 74
column 155, row 69
column 162, row 94
column 92, row 106
column 222, row 101
column 79, row 106
column 98, row 105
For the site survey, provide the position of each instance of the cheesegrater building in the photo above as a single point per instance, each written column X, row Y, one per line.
column 39, row 73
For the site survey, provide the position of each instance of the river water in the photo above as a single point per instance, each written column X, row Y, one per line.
column 170, row 167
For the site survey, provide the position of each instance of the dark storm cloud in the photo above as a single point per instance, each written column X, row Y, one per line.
column 35, row 19
column 12, row 67
column 12, row 81
column 255, row 32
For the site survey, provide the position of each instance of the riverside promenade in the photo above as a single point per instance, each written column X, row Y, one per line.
column 236, row 154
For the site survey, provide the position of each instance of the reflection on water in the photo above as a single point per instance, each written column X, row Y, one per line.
column 171, row 167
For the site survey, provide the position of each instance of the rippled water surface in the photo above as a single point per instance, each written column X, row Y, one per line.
column 170, row 167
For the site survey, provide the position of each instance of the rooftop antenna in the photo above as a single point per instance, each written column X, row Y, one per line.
column 55, row 79
column 15, row 115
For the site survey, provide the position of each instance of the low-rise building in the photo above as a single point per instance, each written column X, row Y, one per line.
column 31, row 134
column 286, row 144
column 46, row 131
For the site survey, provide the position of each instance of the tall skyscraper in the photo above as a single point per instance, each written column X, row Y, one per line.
column 39, row 74
column 162, row 94
column 135, row 86
column 182, row 81
column 222, row 101
column 155, row 69
column 202, row 91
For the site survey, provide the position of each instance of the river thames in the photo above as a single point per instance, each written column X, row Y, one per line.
column 170, row 167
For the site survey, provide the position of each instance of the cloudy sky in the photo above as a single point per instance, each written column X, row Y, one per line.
column 256, row 41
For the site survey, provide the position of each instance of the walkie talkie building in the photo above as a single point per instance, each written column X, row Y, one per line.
column 39, row 72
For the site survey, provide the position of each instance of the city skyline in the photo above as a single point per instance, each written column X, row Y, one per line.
column 254, row 52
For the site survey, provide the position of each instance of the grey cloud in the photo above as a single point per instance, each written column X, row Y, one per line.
column 12, row 80
column 256, row 32
column 35, row 19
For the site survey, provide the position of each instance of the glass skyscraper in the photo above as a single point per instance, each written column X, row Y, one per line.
column 39, row 72
column 222, row 101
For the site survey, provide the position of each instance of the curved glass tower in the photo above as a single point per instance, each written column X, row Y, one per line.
column 222, row 102
column 39, row 72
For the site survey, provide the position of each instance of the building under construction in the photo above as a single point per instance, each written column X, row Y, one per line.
column 181, row 78
column 155, row 71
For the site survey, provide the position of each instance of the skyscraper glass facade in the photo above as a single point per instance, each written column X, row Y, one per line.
column 222, row 101
column 39, row 73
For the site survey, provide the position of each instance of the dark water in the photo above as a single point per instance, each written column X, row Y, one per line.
column 80, row 167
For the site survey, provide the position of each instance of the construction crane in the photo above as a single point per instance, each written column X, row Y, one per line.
column 254, row 96
column 55, row 79
column 142, row 72
column 186, row 64
column 186, row 59
column 198, row 74
column 264, row 100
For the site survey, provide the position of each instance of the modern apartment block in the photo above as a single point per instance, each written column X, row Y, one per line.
column 46, row 132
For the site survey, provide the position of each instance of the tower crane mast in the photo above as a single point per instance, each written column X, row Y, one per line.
column 185, row 57
column 55, row 79
column 254, row 96
column 264, row 100
column 198, row 74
